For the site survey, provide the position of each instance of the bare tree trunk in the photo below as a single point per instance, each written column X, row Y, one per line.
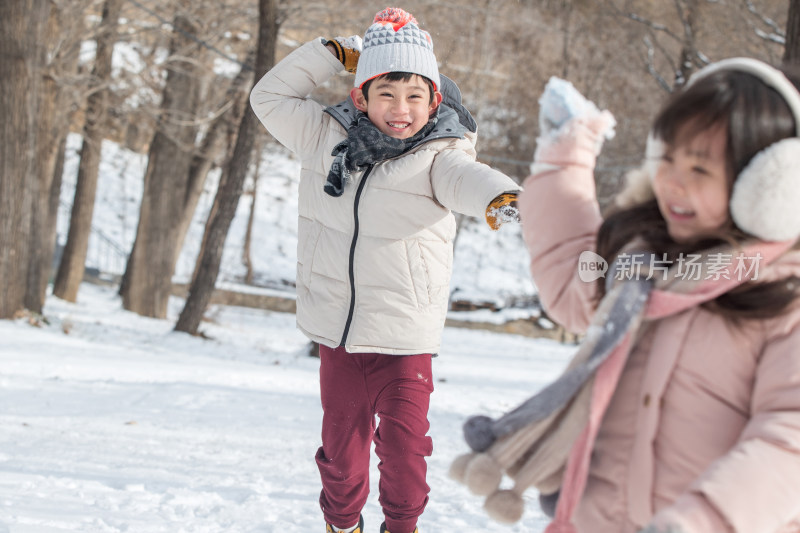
column 66, row 101
column 247, row 258
column 53, row 116
column 212, row 145
column 22, row 26
column 230, row 187
column 57, row 100
column 147, row 283
column 41, row 218
column 73, row 260
column 202, row 161
column 791, row 51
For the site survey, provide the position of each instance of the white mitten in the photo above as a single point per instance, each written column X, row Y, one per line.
column 571, row 128
column 560, row 102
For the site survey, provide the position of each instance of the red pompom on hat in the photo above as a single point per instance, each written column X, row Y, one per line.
column 395, row 43
column 395, row 16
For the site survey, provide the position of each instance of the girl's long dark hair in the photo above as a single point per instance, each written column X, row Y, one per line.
column 754, row 117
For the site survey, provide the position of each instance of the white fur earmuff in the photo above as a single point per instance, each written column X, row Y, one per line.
column 765, row 201
column 766, row 196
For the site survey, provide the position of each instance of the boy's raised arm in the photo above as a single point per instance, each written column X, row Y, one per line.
column 280, row 99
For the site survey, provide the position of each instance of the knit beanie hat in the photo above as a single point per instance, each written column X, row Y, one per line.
column 395, row 43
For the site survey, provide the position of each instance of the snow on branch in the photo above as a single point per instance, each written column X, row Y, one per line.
column 776, row 34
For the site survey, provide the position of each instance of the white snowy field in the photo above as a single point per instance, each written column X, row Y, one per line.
column 111, row 422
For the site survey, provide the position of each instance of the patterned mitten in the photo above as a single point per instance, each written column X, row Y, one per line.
column 347, row 51
column 502, row 209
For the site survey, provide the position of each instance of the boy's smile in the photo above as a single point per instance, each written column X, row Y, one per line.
column 399, row 109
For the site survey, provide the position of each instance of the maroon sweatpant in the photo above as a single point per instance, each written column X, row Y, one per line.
column 354, row 388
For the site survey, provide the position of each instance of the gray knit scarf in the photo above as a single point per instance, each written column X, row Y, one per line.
column 619, row 313
column 366, row 145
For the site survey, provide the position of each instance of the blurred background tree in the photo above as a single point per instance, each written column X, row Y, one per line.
column 182, row 105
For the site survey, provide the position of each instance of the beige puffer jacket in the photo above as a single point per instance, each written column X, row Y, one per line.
column 373, row 265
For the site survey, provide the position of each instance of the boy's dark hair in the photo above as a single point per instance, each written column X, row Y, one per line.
column 399, row 76
column 754, row 116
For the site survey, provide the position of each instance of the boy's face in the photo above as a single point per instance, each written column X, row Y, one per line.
column 398, row 108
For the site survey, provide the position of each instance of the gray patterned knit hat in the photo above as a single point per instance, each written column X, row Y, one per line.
column 395, row 43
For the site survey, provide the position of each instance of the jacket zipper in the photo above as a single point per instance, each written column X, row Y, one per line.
column 351, row 265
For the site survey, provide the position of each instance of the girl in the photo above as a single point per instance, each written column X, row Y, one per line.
column 701, row 430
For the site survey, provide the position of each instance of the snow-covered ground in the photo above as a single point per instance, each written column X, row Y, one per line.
column 111, row 422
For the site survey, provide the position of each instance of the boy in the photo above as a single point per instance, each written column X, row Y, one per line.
column 380, row 173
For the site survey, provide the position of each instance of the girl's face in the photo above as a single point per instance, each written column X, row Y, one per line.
column 398, row 108
column 692, row 186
